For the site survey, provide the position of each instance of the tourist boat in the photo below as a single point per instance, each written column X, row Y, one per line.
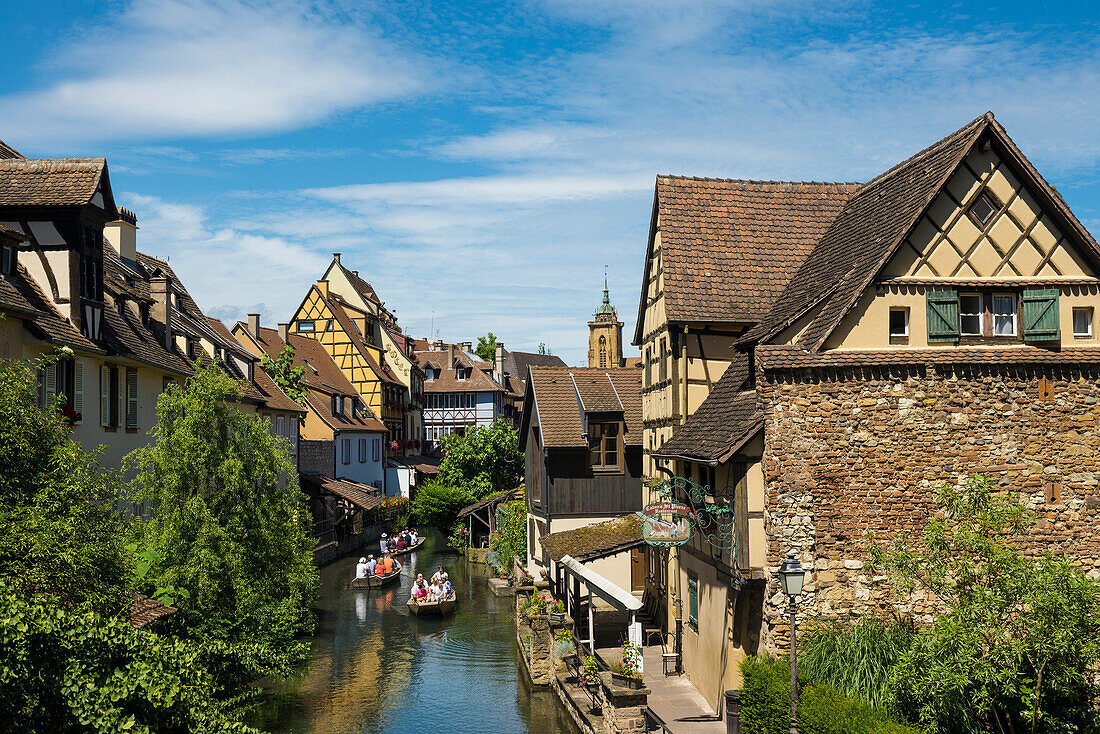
column 433, row 608
column 375, row 582
column 410, row 549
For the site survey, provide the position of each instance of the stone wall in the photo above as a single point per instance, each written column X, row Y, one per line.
column 854, row 451
column 316, row 457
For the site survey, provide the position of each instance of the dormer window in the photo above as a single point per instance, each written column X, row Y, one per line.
column 462, row 373
column 8, row 259
column 983, row 209
column 603, row 447
column 338, row 405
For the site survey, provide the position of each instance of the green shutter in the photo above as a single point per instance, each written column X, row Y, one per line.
column 693, row 601
column 943, row 316
column 1041, row 315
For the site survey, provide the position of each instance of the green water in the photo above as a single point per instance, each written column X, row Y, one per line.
column 376, row 668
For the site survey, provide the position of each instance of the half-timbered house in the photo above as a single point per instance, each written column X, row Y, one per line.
column 460, row 393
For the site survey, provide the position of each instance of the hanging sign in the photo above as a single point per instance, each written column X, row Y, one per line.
column 666, row 524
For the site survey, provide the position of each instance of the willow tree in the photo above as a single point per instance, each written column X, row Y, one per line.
column 224, row 517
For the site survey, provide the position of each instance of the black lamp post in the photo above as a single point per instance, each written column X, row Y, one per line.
column 791, row 576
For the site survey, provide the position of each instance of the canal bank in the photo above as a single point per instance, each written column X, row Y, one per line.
column 375, row 668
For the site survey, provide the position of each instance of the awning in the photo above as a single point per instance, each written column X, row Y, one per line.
column 616, row 596
column 363, row 496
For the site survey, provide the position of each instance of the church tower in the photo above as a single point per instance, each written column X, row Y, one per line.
column 605, row 335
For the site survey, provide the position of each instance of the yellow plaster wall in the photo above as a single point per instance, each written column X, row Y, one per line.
column 11, row 337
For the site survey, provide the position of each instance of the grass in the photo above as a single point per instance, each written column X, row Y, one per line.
column 856, row 659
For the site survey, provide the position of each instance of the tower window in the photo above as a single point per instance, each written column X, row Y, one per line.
column 603, row 352
column 983, row 209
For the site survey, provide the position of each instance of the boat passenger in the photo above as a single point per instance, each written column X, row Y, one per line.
column 371, row 563
column 361, row 571
column 420, row 591
column 384, row 544
column 387, row 565
column 445, row 589
column 438, row 575
column 401, row 544
column 413, row 537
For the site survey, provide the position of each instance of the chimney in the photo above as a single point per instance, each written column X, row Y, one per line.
column 122, row 234
column 336, row 256
column 466, row 346
column 254, row 323
column 450, row 356
column 355, row 273
column 160, row 289
column 322, row 285
column 499, row 361
column 284, row 333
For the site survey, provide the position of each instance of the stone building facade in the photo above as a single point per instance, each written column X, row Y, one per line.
column 605, row 336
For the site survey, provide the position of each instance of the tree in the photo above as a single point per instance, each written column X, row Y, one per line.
column 510, row 539
column 487, row 347
column 227, row 520
column 438, row 504
column 60, row 533
column 1019, row 635
column 543, row 348
column 283, row 373
column 485, row 461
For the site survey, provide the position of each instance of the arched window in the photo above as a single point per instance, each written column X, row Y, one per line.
column 603, row 352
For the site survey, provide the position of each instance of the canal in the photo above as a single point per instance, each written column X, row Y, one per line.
column 376, row 668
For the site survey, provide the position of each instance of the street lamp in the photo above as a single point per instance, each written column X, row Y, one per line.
column 791, row 576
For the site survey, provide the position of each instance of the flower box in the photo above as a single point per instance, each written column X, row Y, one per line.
column 626, row 681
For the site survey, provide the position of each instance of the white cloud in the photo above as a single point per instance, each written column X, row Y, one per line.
column 193, row 68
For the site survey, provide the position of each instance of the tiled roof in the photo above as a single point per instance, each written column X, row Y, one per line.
column 156, row 267
column 727, row 416
column 49, row 181
column 516, row 363
column 865, row 233
column 6, row 151
column 729, row 247
column 423, row 464
column 363, row 496
column 554, row 392
column 144, row 610
column 594, row 540
column 478, row 381
column 774, row 356
column 266, row 389
column 322, row 375
column 492, row 500
column 48, row 323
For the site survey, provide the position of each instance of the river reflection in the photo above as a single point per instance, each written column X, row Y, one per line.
column 376, row 668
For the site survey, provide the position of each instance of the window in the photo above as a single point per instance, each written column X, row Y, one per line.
column 7, row 259
column 345, row 447
column 1082, row 322
column 646, row 364
column 362, row 451
column 131, row 399
column 328, row 325
column 899, row 324
column 338, row 406
column 461, row 373
column 603, row 352
column 305, row 326
column 279, row 425
column 1004, row 315
column 693, row 601
column 111, row 401
column 376, row 449
column 983, row 209
column 664, row 362
column 970, row 314
column 603, row 446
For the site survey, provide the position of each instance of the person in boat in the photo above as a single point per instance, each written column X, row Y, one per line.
column 445, row 589
column 387, row 566
column 371, row 563
column 384, row 544
column 401, row 543
column 413, row 537
column 434, row 591
column 438, row 575
column 361, row 571
column 420, row 591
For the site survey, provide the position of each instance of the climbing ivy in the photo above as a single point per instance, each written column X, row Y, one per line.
column 510, row 539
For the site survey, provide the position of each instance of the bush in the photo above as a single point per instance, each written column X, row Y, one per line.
column 856, row 659
column 510, row 539
column 822, row 709
column 437, row 504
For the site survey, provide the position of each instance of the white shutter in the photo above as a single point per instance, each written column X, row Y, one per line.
column 51, row 382
column 104, row 396
column 78, row 387
column 132, row 398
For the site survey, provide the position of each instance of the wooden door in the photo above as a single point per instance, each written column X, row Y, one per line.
column 637, row 569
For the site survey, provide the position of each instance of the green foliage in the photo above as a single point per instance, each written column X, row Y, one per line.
column 485, row 461
column 629, row 660
column 64, row 671
column 487, row 347
column 543, row 348
column 565, row 634
column 856, row 659
column 227, row 520
column 1015, row 645
column 60, row 534
column 437, row 504
column 459, row 539
column 510, row 539
column 283, row 373
column 766, row 705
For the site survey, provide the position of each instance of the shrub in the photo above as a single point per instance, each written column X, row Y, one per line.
column 822, row 709
column 437, row 504
column 856, row 658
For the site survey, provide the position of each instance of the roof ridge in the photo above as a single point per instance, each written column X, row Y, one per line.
column 679, row 177
column 928, row 150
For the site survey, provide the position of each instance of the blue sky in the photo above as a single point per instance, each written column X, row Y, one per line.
column 486, row 160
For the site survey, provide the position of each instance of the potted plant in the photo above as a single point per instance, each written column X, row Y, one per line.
column 557, row 612
column 564, row 646
column 590, row 673
column 625, row 672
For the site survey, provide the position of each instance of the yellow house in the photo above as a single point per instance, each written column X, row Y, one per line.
column 820, row 356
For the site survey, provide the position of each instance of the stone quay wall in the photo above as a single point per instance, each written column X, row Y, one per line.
column 854, row 451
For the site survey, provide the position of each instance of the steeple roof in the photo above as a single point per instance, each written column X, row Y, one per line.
column 605, row 308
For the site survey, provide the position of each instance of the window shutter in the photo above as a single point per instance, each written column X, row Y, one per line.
column 131, row 398
column 943, row 316
column 120, row 417
column 51, row 382
column 1041, row 315
column 104, row 396
column 78, row 387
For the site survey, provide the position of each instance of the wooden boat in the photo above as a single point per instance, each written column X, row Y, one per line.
column 415, row 546
column 433, row 608
column 375, row 582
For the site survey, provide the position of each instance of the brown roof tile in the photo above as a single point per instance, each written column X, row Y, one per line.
column 48, row 323
column 49, row 181
column 554, row 392
column 6, row 151
column 478, row 381
column 144, row 610
column 339, row 308
column 363, row 496
column 776, row 357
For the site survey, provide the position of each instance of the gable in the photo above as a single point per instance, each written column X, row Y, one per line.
column 1021, row 240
